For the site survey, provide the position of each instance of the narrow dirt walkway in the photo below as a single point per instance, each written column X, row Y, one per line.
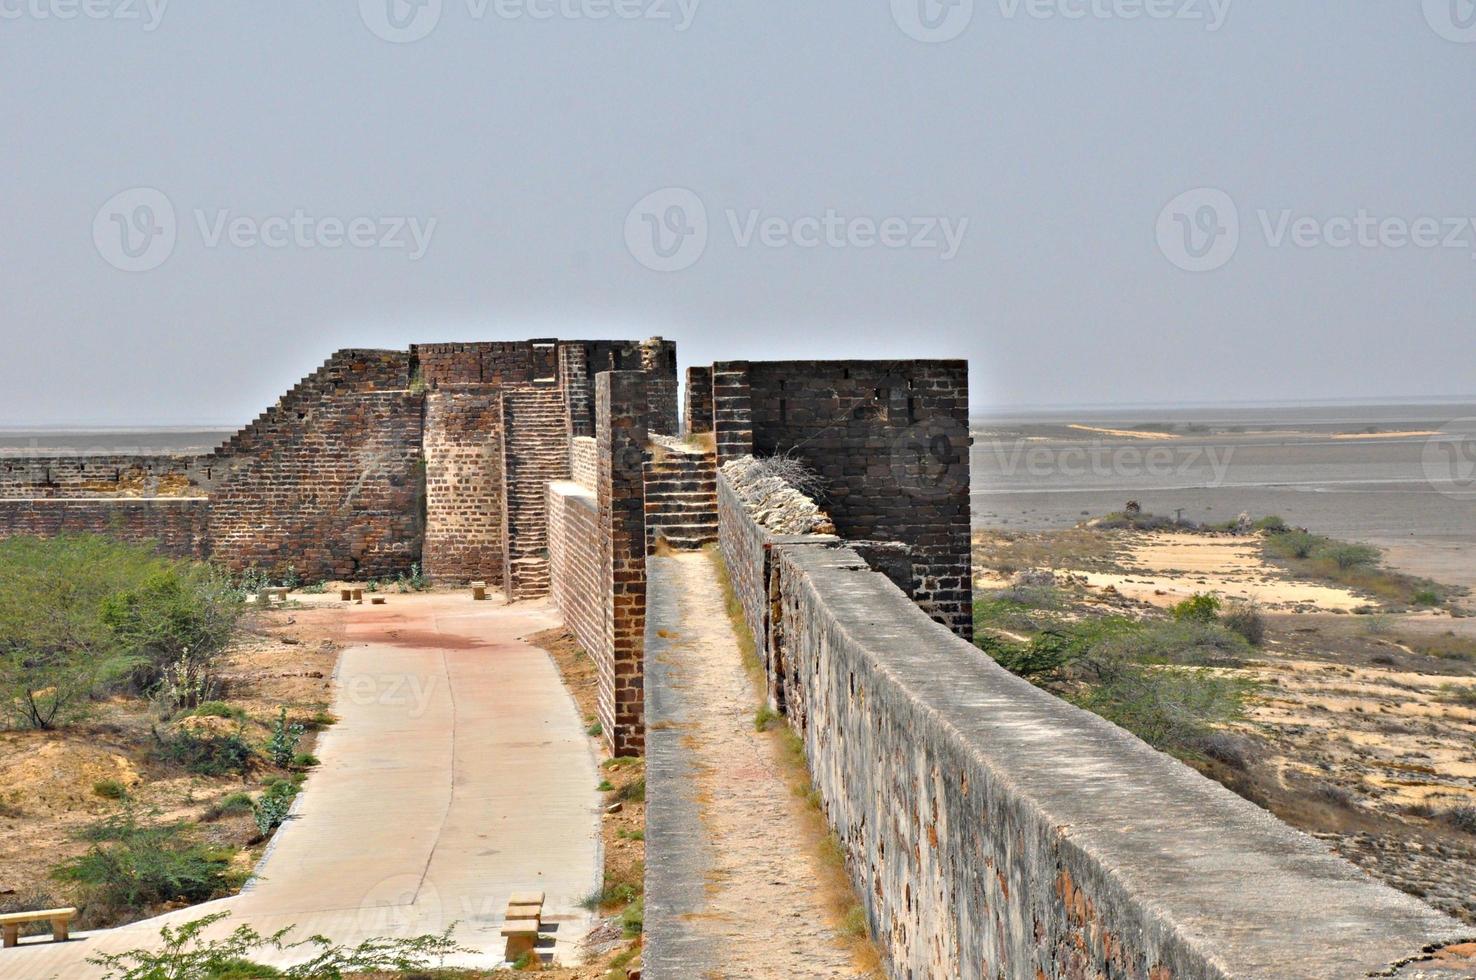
column 733, row 870
column 458, row 773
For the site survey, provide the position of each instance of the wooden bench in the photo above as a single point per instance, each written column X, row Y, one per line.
column 60, row 920
column 524, row 919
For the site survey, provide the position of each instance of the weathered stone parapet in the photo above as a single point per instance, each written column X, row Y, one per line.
column 621, row 411
column 993, row 830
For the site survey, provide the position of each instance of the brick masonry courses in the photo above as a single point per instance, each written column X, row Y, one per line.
column 621, row 412
column 890, row 439
column 463, row 485
column 992, row 829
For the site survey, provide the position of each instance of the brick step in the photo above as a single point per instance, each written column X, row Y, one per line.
column 679, row 508
column 681, row 486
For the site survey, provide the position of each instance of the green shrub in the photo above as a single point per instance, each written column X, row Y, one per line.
column 1462, row 818
column 1202, row 607
column 234, row 805
column 1170, row 708
column 633, row 919
column 1347, row 556
column 1426, row 597
column 184, row 954
column 176, row 621
column 1271, row 524
column 219, row 709
column 272, row 809
column 132, row 866
column 1294, row 544
column 110, row 789
column 763, row 717
column 56, row 650
column 226, row 754
column 304, row 760
column 413, row 582
column 1187, row 642
column 633, row 791
column 282, row 744
column 605, row 786
column 1245, row 618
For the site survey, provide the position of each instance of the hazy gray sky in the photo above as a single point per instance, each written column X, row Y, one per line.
column 866, row 189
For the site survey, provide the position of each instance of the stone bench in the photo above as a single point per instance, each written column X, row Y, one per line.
column 524, row 919
column 60, row 920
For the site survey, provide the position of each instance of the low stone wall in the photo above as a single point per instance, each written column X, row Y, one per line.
column 574, row 562
column 178, row 524
column 993, row 830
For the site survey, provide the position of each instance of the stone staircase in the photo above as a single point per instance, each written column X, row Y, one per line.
column 681, row 496
column 535, row 451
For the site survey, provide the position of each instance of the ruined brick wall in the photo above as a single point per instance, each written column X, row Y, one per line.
column 890, row 439
column 463, row 485
column 574, row 563
column 621, row 411
column 29, row 477
column 697, row 401
column 993, row 830
column 330, row 480
column 179, row 526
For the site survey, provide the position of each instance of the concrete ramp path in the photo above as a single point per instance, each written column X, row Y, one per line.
column 458, row 773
